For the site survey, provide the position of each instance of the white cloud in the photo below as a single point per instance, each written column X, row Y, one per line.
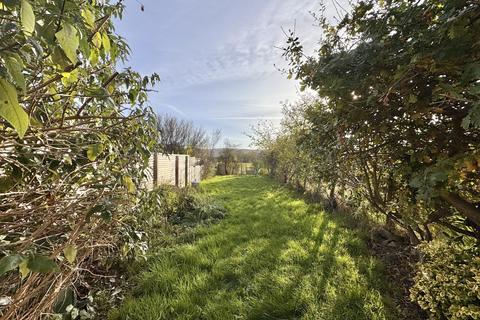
column 198, row 42
column 171, row 107
column 216, row 57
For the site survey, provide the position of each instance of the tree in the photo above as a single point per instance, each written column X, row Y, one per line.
column 208, row 155
column 181, row 136
column 228, row 157
column 263, row 135
column 395, row 128
column 399, row 81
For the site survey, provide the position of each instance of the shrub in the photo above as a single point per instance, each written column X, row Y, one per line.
column 447, row 282
column 196, row 207
column 76, row 136
column 166, row 212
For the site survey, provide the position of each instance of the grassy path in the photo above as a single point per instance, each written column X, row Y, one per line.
column 273, row 257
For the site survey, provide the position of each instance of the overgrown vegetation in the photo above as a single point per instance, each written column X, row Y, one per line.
column 170, row 212
column 394, row 132
column 272, row 257
column 69, row 183
column 447, row 281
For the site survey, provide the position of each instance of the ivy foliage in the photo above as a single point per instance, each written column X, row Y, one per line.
column 447, row 283
column 76, row 133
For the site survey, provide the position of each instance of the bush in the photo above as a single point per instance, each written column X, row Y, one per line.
column 447, row 283
column 167, row 212
column 187, row 207
column 76, row 136
column 196, row 207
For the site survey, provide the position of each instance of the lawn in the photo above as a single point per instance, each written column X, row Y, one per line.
column 273, row 257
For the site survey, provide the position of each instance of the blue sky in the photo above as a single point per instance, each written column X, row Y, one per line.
column 216, row 57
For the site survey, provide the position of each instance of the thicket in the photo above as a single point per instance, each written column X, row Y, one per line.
column 394, row 131
column 69, row 184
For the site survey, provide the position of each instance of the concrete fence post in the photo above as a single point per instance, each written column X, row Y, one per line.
column 187, row 170
column 177, row 171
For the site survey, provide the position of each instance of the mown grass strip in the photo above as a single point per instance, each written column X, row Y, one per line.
column 273, row 257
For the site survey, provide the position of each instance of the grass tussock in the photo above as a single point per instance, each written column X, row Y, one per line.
column 272, row 257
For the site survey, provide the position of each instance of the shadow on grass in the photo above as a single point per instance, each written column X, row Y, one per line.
column 272, row 257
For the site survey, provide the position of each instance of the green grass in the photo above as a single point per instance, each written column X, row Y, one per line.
column 272, row 257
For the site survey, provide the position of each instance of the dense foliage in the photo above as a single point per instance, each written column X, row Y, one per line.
column 448, row 281
column 169, row 211
column 398, row 84
column 68, row 181
column 395, row 126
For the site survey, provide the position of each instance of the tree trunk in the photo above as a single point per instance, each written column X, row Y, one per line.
column 465, row 208
column 331, row 196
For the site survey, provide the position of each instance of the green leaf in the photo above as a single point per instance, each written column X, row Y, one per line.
column 41, row 264
column 59, row 58
column 97, row 40
column 10, row 110
column 70, row 253
column 89, row 17
column 94, row 150
column 84, row 47
column 93, row 57
column 472, row 118
column 128, row 182
column 69, row 42
column 65, row 298
column 23, row 269
column 27, row 17
column 15, row 66
column 106, row 43
column 69, row 77
column 9, row 263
